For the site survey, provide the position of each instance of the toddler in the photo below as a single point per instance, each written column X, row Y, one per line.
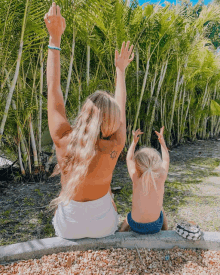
column 148, row 173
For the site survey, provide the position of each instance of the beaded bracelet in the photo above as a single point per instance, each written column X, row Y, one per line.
column 54, row 48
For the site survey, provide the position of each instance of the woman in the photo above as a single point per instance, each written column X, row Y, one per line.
column 85, row 159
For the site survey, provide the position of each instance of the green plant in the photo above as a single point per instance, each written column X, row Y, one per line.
column 38, row 191
column 172, row 83
column 28, row 201
column 7, row 213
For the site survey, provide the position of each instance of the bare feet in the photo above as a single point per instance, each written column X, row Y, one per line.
column 125, row 226
column 165, row 224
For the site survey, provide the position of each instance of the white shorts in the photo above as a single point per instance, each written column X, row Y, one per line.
column 90, row 219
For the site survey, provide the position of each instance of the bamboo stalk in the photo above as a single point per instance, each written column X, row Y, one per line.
column 152, row 90
column 137, row 69
column 178, row 116
column 213, row 118
column 40, row 103
column 29, row 157
column 183, row 103
column 187, row 111
column 173, row 106
column 217, row 128
column 127, row 3
column 163, row 119
column 70, row 66
column 162, row 75
column 20, row 160
column 1, row 44
column 79, row 97
column 139, row 127
column 203, row 105
column 149, row 102
column 88, row 65
column 129, row 124
column 34, row 80
column 142, row 91
column 33, row 143
column 16, row 72
column 21, row 137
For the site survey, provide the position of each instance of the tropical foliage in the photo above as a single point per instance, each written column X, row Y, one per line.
column 172, row 81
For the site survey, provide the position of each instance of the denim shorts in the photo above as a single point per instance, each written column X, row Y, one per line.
column 145, row 228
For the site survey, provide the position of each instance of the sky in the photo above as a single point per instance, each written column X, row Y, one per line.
column 141, row 2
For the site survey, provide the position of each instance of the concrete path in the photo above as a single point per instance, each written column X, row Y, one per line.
column 162, row 240
column 214, row 180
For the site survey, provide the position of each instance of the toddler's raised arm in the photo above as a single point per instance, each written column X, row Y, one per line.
column 130, row 155
column 164, row 150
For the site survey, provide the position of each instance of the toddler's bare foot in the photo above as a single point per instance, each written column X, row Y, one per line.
column 125, row 226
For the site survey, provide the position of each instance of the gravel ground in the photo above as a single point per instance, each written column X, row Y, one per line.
column 121, row 261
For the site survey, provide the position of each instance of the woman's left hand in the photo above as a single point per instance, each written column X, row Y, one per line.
column 55, row 22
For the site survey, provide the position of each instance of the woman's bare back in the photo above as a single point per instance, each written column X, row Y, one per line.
column 97, row 182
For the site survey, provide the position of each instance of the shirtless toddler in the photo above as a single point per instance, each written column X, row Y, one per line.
column 148, row 172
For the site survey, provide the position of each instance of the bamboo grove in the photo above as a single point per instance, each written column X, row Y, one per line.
column 172, row 80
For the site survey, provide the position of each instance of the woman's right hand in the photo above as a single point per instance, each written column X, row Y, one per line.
column 55, row 23
column 122, row 60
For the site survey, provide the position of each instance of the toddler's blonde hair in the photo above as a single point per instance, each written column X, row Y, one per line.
column 148, row 164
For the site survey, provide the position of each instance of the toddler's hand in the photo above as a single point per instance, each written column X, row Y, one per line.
column 160, row 137
column 55, row 22
column 135, row 135
column 122, row 60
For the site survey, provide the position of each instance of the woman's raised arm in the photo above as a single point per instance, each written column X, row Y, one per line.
column 121, row 62
column 57, row 120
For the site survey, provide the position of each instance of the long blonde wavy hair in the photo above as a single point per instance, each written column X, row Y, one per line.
column 148, row 164
column 99, row 115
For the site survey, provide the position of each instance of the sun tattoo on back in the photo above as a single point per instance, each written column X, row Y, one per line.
column 113, row 154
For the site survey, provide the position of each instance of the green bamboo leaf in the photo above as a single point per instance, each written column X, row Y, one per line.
column 215, row 108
